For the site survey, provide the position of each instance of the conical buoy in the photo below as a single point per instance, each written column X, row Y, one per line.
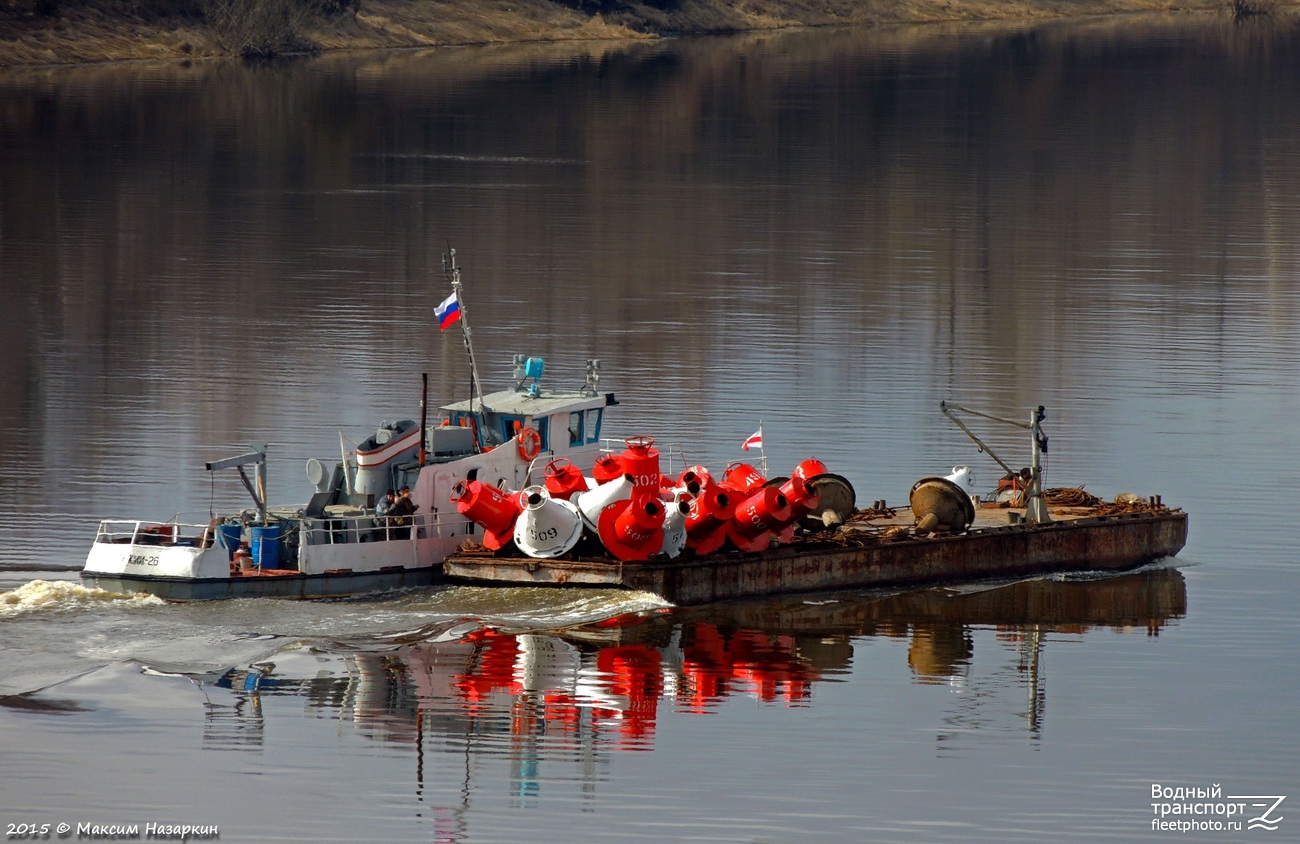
column 563, row 479
column 591, row 502
column 547, row 527
column 633, row 529
column 490, row 507
column 750, row 528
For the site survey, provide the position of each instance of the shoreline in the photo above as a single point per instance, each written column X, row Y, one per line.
column 96, row 32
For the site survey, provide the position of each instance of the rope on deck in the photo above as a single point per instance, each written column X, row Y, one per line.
column 1070, row 497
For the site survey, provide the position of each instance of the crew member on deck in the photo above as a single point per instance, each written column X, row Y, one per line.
column 403, row 513
column 384, row 514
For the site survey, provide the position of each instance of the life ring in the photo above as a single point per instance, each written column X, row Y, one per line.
column 529, row 443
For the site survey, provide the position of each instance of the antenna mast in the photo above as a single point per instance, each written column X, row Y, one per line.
column 452, row 272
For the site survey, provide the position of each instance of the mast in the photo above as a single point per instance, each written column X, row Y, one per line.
column 424, row 415
column 453, row 273
column 257, row 487
column 1035, row 504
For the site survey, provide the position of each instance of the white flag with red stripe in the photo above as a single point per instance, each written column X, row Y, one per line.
column 755, row 440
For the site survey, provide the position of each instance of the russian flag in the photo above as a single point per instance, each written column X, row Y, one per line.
column 448, row 312
column 755, row 441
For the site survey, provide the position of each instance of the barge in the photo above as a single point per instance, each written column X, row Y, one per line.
column 874, row 548
column 805, row 533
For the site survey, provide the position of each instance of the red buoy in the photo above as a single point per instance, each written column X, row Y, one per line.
column 706, row 524
column 495, row 510
column 803, row 498
column 755, row 519
column 743, row 478
column 695, row 479
column 807, row 470
column 633, row 530
column 641, row 461
column 607, row 468
column 563, row 479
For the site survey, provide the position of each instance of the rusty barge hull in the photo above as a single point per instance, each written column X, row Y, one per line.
column 1090, row 543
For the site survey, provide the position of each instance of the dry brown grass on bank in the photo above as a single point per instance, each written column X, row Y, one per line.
column 1244, row 9
column 35, row 32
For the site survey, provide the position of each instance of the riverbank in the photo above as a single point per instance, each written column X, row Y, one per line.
column 40, row 32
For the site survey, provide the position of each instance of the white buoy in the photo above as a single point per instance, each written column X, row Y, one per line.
column 963, row 477
column 675, row 513
column 548, row 527
column 592, row 502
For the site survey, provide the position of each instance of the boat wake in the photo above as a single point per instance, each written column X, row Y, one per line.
column 462, row 611
column 55, row 595
column 539, row 608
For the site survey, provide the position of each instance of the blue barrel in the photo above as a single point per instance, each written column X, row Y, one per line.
column 228, row 537
column 266, row 547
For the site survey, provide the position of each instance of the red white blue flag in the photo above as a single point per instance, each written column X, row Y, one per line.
column 755, row 440
column 447, row 312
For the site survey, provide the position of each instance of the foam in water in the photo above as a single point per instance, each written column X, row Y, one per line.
column 38, row 595
column 546, row 608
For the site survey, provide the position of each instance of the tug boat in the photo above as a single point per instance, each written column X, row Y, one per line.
column 337, row 543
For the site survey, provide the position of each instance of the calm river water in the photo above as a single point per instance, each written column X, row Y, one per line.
column 826, row 231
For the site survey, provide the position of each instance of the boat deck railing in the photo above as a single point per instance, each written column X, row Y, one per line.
column 672, row 457
column 327, row 530
column 369, row 528
column 138, row 532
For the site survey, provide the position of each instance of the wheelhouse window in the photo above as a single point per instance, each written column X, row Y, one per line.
column 594, row 418
column 575, row 427
column 511, row 426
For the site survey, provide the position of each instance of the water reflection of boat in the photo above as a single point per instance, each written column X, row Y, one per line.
column 602, row 687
